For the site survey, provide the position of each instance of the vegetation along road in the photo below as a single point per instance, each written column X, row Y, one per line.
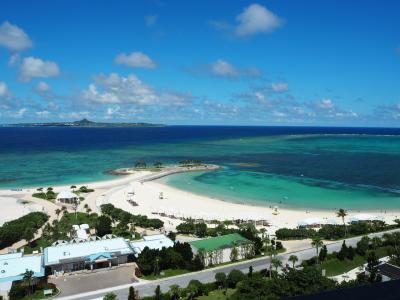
column 146, row 288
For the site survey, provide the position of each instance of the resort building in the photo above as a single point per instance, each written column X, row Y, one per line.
column 389, row 271
column 157, row 241
column 223, row 248
column 12, row 269
column 81, row 231
column 86, row 255
column 68, row 197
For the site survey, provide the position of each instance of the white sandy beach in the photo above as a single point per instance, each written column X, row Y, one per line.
column 13, row 208
column 182, row 204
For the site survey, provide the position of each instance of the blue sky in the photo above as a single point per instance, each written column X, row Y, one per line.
column 277, row 62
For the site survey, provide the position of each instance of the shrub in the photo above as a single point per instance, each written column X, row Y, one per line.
column 234, row 277
column 294, row 234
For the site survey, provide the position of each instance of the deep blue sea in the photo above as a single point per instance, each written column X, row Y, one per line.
column 313, row 167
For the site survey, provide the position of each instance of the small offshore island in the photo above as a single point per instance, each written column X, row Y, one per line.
column 83, row 123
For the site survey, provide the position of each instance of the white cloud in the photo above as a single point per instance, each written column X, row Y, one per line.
column 135, row 60
column 20, row 113
column 42, row 87
column 116, row 89
column 256, row 19
column 279, row 114
column 223, row 68
column 280, row 86
column 14, row 38
column 325, row 104
column 112, row 110
column 43, row 113
column 32, row 67
column 150, row 20
column 4, row 91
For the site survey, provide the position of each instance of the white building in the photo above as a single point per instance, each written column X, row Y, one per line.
column 14, row 265
column 68, row 197
column 157, row 241
column 89, row 255
column 217, row 250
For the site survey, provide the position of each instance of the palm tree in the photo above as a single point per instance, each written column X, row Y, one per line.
column 73, row 187
column 317, row 243
column 341, row 213
column 276, row 263
column 174, row 291
column 158, row 164
column 293, row 259
column 28, row 277
column 58, row 212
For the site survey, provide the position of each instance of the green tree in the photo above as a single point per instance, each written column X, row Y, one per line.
column 157, row 293
column 372, row 267
column 201, row 230
column 110, row 296
column 363, row 245
column 234, row 277
column 250, row 274
column 131, row 295
column 158, row 164
column 174, row 292
column 317, row 243
column 234, row 254
column 293, row 259
column 323, row 253
column 220, row 279
column 276, row 263
column 341, row 213
column 28, row 278
column 103, row 226
column 58, row 212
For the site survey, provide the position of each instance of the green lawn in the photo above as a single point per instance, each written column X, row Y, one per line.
column 335, row 266
column 35, row 245
column 39, row 295
column 217, row 295
column 78, row 218
column 166, row 273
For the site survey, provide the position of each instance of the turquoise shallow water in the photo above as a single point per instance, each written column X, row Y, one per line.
column 289, row 167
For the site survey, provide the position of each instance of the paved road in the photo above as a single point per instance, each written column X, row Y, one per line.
column 146, row 288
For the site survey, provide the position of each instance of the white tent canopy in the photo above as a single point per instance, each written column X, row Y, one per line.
column 66, row 195
column 312, row 221
column 364, row 217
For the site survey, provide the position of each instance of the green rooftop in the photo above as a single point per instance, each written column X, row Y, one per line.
column 220, row 242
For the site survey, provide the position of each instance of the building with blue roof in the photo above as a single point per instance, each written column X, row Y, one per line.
column 14, row 265
column 88, row 254
column 156, row 241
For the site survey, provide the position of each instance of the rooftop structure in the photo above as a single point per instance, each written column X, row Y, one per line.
column 14, row 265
column 67, row 197
column 220, row 242
column 157, row 241
column 64, row 253
column 365, row 218
column 389, row 271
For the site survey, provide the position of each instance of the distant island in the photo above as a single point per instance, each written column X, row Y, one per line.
column 83, row 123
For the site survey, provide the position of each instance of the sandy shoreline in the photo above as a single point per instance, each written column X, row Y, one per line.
column 182, row 203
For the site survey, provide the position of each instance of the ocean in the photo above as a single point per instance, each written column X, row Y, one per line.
column 296, row 167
